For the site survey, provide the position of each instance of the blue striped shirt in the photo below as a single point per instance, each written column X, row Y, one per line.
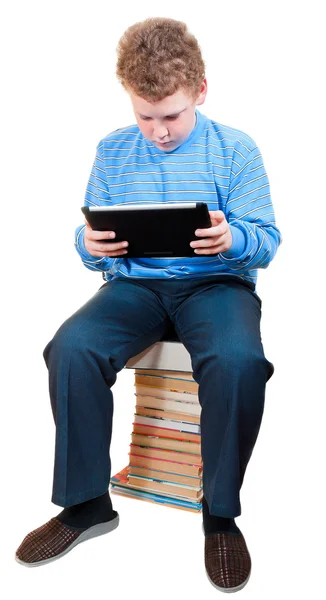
column 218, row 165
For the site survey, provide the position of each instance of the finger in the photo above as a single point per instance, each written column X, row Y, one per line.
column 109, row 254
column 100, row 235
column 117, row 253
column 109, row 247
column 215, row 231
column 206, row 242
column 218, row 248
column 208, row 251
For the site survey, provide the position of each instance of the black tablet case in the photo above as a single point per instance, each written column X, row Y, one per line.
column 153, row 233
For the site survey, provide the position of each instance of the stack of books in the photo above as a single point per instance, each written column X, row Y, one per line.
column 165, row 464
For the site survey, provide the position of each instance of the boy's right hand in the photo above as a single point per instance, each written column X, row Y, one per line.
column 95, row 246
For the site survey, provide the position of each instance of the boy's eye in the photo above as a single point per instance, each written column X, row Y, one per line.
column 168, row 118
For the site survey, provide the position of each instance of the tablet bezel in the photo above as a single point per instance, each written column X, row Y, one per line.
column 151, row 232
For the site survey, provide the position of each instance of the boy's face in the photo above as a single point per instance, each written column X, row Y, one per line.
column 169, row 122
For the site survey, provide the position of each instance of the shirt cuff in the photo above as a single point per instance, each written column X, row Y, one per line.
column 238, row 243
column 80, row 244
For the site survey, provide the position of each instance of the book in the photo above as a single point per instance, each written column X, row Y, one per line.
column 147, row 390
column 119, row 485
column 166, row 475
column 166, row 488
column 178, row 457
column 176, row 434
column 156, row 499
column 121, row 480
column 183, row 375
column 167, row 443
column 136, row 460
column 167, row 415
column 164, row 355
column 168, row 383
column 162, row 423
column 167, row 404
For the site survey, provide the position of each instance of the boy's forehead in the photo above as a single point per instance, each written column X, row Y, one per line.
column 170, row 105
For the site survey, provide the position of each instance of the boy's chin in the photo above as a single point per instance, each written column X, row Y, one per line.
column 167, row 147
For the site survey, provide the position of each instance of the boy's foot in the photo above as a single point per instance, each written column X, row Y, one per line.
column 227, row 559
column 69, row 528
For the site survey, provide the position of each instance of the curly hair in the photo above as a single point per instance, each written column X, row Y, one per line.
column 157, row 57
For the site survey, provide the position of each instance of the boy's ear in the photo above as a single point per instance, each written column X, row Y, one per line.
column 203, row 92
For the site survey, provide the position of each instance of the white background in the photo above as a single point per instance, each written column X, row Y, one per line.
column 60, row 97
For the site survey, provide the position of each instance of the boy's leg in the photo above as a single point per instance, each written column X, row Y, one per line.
column 83, row 358
column 220, row 326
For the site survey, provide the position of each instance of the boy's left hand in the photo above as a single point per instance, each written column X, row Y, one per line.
column 217, row 238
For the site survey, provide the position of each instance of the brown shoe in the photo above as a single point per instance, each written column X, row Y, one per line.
column 54, row 539
column 227, row 561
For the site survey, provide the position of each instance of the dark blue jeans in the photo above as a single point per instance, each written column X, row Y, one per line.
column 218, row 321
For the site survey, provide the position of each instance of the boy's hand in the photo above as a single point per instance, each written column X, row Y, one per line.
column 217, row 238
column 96, row 247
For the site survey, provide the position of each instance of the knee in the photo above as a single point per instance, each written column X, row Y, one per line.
column 243, row 361
column 239, row 363
column 72, row 336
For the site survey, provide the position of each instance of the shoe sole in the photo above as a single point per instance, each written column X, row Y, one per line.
column 91, row 532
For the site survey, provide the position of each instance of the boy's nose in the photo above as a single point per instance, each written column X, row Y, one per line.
column 160, row 132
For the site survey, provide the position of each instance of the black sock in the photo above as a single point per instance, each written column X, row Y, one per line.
column 214, row 524
column 89, row 513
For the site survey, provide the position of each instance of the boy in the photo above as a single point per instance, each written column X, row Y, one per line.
column 173, row 154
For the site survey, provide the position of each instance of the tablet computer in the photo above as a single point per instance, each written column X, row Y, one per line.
column 152, row 230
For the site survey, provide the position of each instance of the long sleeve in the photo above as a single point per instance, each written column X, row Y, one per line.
column 97, row 194
column 250, row 214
